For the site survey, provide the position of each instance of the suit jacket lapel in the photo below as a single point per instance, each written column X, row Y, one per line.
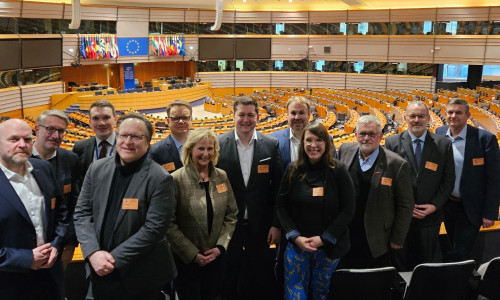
column 47, row 202
column 429, row 148
column 135, row 184
column 10, row 195
column 172, row 149
column 257, row 156
column 91, row 151
column 408, row 147
column 378, row 170
column 471, row 144
column 233, row 152
column 104, row 181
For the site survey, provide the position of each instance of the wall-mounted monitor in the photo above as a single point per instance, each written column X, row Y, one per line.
column 10, row 58
column 39, row 53
column 253, row 48
column 215, row 48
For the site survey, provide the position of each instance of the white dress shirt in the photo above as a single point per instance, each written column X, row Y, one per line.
column 245, row 154
column 294, row 147
column 31, row 196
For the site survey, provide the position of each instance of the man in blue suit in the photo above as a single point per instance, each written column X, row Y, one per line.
column 476, row 193
column 33, row 218
column 167, row 152
column 298, row 114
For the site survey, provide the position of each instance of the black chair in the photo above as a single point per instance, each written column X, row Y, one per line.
column 359, row 284
column 110, row 92
column 489, row 286
column 80, row 89
column 121, row 92
column 443, row 281
column 139, row 90
column 149, row 89
column 98, row 93
column 130, row 91
column 156, row 89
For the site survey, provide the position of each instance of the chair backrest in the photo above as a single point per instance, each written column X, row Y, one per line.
column 440, row 281
column 489, row 286
column 359, row 284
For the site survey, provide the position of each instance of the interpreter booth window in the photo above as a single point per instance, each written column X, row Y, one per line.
column 495, row 27
column 253, row 65
column 8, row 25
column 166, row 28
column 291, row 28
column 318, row 66
column 491, row 73
column 225, row 28
column 295, row 65
column 411, row 28
column 278, row 65
column 53, row 26
column 335, row 66
column 251, row 28
column 326, row 29
column 208, row 66
column 455, row 72
column 27, row 77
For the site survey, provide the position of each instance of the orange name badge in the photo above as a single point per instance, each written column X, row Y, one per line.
column 130, row 203
column 318, row 191
column 386, row 181
column 263, row 169
column 478, row 161
column 221, row 188
column 431, row 166
column 67, row 188
column 169, row 167
column 53, row 203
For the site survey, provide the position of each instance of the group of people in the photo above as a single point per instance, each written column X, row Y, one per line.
column 241, row 215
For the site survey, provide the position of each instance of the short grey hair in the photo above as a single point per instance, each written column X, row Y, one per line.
column 368, row 119
column 459, row 101
column 55, row 113
column 417, row 103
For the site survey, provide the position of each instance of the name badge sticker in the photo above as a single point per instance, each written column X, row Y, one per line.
column 431, row 166
column 130, row 203
column 386, row 181
column 169, row 167
column 221, row 188
column 67, row 188
column 52, row 203
column 478, row 161
column 263, row 169
column 318, row 191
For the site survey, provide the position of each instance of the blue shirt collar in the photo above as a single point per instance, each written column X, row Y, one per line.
column 371, row 158
column 178, row 144
column 462, row 134
column 422, row 137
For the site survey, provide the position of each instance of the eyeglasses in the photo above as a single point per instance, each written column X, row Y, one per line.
column 178, row 119
column 367, row 134
column 51, row 130
column 316, row 142
column 413, row 117
column 133, row 137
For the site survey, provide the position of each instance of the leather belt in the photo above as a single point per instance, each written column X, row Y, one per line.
column 455, row 199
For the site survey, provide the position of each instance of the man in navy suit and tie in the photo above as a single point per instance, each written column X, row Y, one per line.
column 253, row 165
column 103, row 144
column 50, row 130
column 33, row 218
column 430, row 157
column 167, row 152
column 476, row 193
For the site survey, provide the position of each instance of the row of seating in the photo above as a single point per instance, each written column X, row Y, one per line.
column 443, row 281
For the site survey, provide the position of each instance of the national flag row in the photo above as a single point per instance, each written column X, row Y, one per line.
column 99, row 47
column 166, row 45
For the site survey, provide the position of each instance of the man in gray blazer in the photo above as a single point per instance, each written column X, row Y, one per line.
column 430, row 157
column 253, row 165
column 384, row 197
column 167, row 152
column 122, row 216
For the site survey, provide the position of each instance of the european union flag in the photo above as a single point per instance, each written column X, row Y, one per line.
column 133, row 46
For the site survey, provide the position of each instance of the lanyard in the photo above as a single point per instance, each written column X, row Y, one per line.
column 110, row 152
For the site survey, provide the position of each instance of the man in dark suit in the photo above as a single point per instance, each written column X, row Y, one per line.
column 102, row 121
column 430, row 157
column 50, row 129
column 298, row 113
column 33, row 217
column 167, row 152
column 476, row 193
column 253, row 165
column 384, row 197
column 121, row 218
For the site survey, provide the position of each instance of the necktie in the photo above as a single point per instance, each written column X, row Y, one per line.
column 104, row 149
column 418, row 151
